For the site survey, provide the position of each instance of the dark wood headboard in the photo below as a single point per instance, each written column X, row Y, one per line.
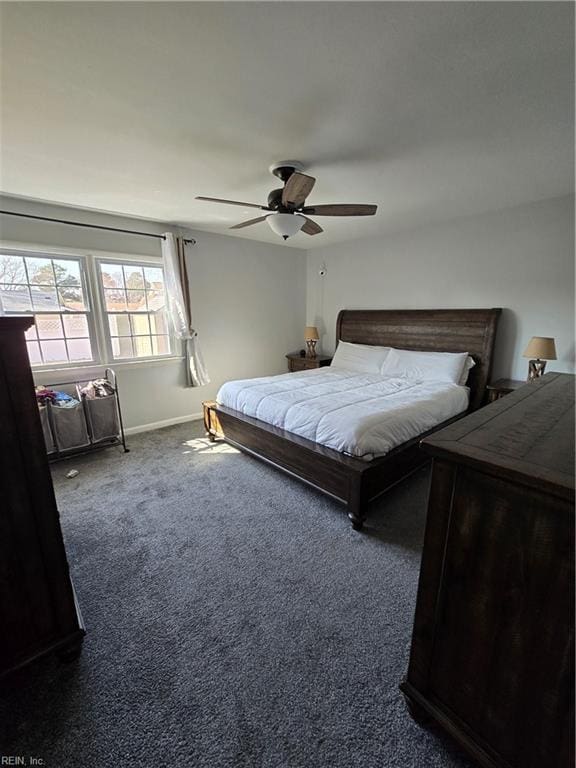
column 429, row 330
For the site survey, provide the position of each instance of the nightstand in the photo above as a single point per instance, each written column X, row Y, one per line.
column 502, row 387
column 297, row 363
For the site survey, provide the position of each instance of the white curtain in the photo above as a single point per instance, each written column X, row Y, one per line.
column 178, row 307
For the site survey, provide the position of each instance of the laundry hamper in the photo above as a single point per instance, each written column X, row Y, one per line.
column 69, row 427
column 47, row 429
column 88, row 425
column 102, row 418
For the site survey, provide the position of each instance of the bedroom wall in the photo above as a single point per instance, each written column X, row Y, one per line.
column 248, row 303
column 520, row 259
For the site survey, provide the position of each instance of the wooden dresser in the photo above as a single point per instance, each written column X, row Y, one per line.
column 493, row 641
column 38, row 610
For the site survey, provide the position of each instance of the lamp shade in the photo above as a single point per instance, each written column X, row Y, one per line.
column 541, row 348
column 285, row 224
column 311, row 333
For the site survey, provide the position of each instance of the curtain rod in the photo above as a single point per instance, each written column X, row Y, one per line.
column 189, row 241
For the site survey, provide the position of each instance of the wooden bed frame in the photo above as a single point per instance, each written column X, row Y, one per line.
column 349, row 480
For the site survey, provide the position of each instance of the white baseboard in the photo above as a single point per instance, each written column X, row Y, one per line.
column 165, row 423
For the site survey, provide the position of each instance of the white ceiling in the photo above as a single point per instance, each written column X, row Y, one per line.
column 430, row 110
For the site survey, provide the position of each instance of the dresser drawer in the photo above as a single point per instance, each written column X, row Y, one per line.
column 297, row 363
column 301, row 365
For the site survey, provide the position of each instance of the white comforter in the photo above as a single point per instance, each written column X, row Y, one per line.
column 361, row 414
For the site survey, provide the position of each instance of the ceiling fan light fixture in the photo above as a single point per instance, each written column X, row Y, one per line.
column 285, row 224
column 283, row 203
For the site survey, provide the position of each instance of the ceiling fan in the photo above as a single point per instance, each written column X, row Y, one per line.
column 287, row 212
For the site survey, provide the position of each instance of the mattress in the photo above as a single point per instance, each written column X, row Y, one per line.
column 359, row 414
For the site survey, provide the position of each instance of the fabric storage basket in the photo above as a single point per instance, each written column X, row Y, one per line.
column 46, row 429
column 102, row 417
column 69, row 425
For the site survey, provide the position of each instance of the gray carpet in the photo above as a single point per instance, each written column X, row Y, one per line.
column 234, row 619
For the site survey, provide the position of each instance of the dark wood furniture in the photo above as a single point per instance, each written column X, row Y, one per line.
column 38, row 609
column 502, row 387
column 351, row 481
column 493, row 642
column 298, row 363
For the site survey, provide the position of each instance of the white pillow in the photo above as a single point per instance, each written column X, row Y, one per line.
column 426, row 366
column 468, row 365
column 359, row 357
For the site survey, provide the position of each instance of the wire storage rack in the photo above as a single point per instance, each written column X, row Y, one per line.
column 89, row 424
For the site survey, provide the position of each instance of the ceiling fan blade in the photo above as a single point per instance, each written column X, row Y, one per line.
column 346, row 209
column 297, row 189
column 249, row 222
column 234, row 202
column 311, row 228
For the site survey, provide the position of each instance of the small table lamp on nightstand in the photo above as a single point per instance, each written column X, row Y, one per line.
column 311, row 337
column 539, row 349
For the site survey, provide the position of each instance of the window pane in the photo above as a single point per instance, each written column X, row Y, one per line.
column 15, row 298
column 158, row 323
column 40, row 271
column 133, row 276
column 53, row 289
column 136, row 301
column 154, row 278
column 71, row 298
column 54, row 351
column 12, row 269
column 67, row 272
column 49, row 326
column 138, row 291
column 34, row 353
column 119, row 325
column 143, row 346
column 122, row 347
column 160, row 345
column 115, row 300
column 79, row 349
column 44, row 298
column 156, row 300
column 112, row 275
column 140, row 325
column 75, row 325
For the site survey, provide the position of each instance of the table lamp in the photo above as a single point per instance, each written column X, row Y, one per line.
column 311, row 336
column 539, row 349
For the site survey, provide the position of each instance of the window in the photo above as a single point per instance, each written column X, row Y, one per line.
column 54, row 291
column 86, row 310
column 133, row 297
